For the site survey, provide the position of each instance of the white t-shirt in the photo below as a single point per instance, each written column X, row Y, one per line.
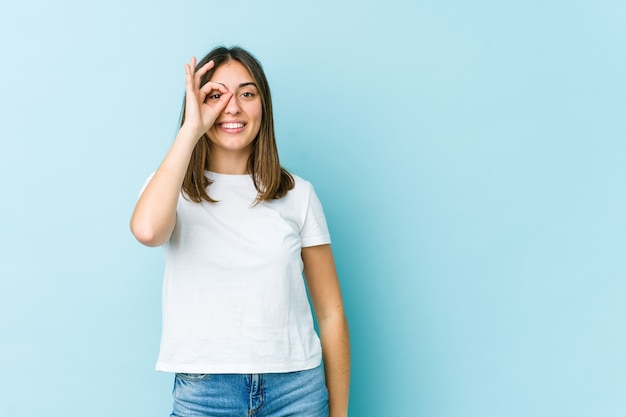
column 234, row 299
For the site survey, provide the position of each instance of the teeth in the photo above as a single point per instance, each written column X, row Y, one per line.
column 232, row 125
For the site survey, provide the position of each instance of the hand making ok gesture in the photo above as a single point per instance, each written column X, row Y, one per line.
column 200, row 115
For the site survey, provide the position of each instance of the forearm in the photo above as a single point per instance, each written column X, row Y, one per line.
column 335, row 339
column 154, row 216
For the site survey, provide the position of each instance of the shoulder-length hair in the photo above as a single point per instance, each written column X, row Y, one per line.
column 271, row 180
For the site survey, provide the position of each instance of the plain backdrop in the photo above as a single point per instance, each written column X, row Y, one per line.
column 469, row 156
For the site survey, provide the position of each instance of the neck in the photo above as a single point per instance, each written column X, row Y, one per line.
column 232, row 163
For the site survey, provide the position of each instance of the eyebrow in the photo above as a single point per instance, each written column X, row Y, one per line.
column 241, row 85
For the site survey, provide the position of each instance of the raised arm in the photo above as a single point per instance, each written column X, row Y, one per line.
column 154, row 216
column 323, row 285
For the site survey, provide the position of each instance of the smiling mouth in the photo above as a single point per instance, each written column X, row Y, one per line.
column 231, row 125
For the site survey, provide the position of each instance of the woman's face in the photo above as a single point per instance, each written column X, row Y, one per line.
column 238, row 125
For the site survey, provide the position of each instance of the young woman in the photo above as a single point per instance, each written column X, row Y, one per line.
column 238, row 231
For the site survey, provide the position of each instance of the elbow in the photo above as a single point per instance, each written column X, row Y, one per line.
column 146, row 235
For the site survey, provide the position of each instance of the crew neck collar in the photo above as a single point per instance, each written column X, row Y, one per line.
column 228, row 178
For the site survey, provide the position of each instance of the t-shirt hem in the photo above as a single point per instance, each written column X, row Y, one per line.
column 240, row 368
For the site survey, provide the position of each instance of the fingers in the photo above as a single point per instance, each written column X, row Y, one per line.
column 189, row 75
column 190, row 68
column 197, row 73
column 194, row 78
column 203, row 70
column 220, row 104
column 203, row 102
column 216, row 100
column 210, row 86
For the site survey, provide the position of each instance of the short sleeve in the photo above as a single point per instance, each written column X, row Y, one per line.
column 314, row 231
column 145, row 184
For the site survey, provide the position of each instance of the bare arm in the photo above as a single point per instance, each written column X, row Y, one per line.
column 154, row 216
column 323, row 286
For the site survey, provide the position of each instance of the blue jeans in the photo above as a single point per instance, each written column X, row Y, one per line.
column 301, row 394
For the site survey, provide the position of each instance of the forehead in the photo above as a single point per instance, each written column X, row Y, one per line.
column 232, row 73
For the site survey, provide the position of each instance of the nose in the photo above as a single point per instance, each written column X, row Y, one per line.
column 232, row 107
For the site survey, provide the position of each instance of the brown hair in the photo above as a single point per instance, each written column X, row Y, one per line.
column 271, row 180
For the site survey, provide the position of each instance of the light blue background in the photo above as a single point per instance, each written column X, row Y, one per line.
column 469, row 155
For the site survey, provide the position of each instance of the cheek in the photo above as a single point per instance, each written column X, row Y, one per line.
column 256, row 112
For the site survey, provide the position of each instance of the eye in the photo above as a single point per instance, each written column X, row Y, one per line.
column 215, row 96
column 247, row 94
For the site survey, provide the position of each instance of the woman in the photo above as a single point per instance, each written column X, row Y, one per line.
column 238, row 231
